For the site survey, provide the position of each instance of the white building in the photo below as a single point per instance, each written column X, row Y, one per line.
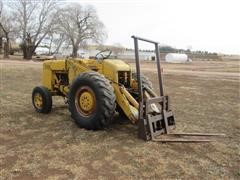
column 143, row 55
column 177, row 58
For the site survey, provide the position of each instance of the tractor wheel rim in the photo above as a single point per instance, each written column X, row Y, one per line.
column 85, row 101
column 38, row 101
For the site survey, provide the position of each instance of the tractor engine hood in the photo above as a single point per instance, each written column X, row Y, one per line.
column 112, row 67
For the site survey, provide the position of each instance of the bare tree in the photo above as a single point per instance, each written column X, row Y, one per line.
column 34, row 21
column 1, row 32
column 7, row 27
column 54, row 42
column 79, row 25
column 1, row 41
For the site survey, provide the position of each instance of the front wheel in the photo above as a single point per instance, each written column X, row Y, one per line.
column 42, row 99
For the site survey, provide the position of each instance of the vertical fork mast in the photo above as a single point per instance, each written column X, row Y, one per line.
column 140, row 91
column 157, row 52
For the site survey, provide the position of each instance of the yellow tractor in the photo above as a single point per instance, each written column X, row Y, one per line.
column 96, row 88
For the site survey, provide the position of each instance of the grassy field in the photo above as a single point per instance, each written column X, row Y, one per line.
column 204, row 97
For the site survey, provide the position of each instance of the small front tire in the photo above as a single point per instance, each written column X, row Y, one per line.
column 42, row 99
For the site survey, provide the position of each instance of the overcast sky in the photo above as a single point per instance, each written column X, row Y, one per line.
column 212, row 25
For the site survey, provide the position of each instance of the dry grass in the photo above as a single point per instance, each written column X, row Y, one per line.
column 52, row 147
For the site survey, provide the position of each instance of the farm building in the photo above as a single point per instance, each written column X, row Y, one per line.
column 143, row 55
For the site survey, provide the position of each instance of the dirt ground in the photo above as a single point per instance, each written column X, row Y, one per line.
column 204, row 97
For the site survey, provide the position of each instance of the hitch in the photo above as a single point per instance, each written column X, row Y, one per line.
column 157, row 125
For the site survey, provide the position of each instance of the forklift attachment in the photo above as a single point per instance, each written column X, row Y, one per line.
column 156, row 125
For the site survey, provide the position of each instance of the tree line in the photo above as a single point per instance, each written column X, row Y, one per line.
column 49, row 23
column 170, row 49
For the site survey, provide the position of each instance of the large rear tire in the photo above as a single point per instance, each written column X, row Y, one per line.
column 145, row 80
column 92, row 101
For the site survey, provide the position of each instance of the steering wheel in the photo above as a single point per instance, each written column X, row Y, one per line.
column 101, row 56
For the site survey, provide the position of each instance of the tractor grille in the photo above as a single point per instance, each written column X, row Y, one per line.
column 124, row 78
